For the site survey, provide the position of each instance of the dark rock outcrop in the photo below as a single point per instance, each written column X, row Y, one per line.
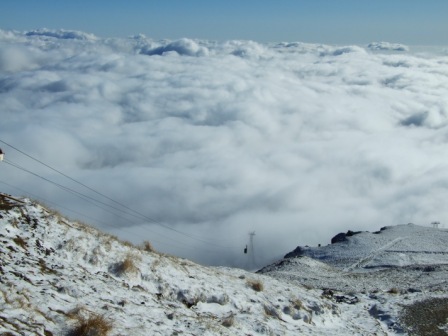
column 342, row 237
column 298, row 252
column 339, row 238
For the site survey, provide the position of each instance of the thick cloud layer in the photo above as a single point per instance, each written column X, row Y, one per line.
column 296, row 142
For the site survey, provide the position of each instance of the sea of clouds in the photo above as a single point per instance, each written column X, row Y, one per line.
column 294, row 141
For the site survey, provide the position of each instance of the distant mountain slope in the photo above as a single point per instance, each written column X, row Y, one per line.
column 401, row 245
column 392, row 272
column 395, row 256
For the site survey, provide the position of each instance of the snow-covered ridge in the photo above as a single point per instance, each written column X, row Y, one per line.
column 57, row 275
column 400, row 245
column 410, row 260
column 55, row 272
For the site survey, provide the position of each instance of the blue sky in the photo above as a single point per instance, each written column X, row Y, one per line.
column 326, row 21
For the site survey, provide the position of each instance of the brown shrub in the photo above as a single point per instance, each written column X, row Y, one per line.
column 394, row 290
column 271, row 311
column 256, row 285
column 146, row 246
column 94, row 325
column 128, row 265
column 298, row 304
column 5, row 202
column 228, row 321
column 20, row 242
column 44, row 268
column 126, row 243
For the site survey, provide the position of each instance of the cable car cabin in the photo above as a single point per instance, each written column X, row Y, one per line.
column 1, row 155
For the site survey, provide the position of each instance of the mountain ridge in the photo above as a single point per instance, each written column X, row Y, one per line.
column 363, row 249
column 58, row 275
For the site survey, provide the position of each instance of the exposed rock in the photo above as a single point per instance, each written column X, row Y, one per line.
column 339, row 238
column 296, row 253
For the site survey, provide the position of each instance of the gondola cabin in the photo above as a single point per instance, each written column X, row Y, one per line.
column 1, row 155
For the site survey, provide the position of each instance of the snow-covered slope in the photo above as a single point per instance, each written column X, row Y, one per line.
column 382, row 271
column 57, row 276
column 400, row 245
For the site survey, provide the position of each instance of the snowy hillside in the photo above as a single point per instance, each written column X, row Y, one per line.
column 380, row 271
column 59, row 277
column 400, row 245
column 56, row 273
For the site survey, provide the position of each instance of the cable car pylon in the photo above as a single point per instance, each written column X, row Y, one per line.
column 251, row 251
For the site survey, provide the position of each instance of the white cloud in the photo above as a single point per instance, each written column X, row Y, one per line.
column 386, row 46
column 15, row 58
column 295, row 141
column 62, row 34
column 181, row 47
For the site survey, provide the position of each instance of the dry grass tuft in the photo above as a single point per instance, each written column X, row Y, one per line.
column 128, row 265
column 298, row 304
column 127, row 243
column 228, row 321
column 44, row 268
column 394, row 290
column 271, row 311
column 94, row 325
column 5, row 203
column 20, row 242
column 256, row 285
column 147, row 246
column 53, row 212
column 15, row 223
